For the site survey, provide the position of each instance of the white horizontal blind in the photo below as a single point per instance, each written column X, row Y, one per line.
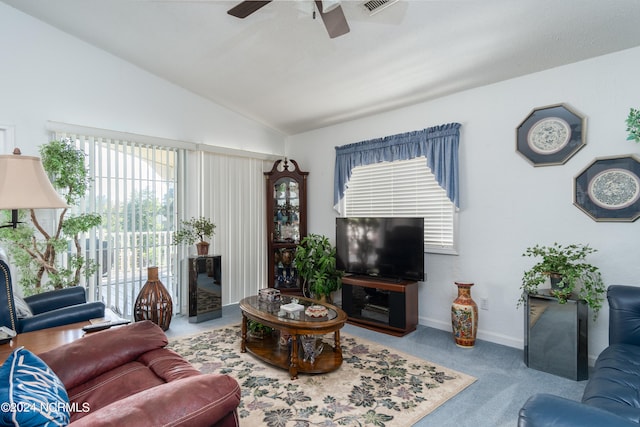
column 403, row 188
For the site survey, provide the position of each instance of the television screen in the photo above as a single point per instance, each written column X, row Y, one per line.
column 381, row 247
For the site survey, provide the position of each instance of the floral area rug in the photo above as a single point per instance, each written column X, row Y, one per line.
column 374, row 386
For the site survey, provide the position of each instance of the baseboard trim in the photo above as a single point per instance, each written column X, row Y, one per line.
column 482, row 335
column 488, row 336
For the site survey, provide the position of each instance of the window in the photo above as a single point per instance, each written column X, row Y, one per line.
column 404, row 188
column 143, row 187
column 134, row 190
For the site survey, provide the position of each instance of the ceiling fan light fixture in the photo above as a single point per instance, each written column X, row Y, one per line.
column 329, row 5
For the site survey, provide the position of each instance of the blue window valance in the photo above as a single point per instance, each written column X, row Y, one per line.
column 439, row 144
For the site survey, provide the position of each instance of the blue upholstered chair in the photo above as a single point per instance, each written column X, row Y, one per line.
column 46, row 310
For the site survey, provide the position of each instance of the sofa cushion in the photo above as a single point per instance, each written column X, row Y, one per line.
column 112, row 386
column 99, row 352
column 200, row 400
column 615, row 382
column 32, row 393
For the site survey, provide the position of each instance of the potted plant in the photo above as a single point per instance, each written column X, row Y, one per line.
column 315, row 261
column 568, row 272
column 36, row 249
column 633, row 125
column 195, row 230
column 257, row 329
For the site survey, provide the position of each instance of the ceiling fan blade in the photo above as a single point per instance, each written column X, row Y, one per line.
column 334, row 21
column 246, row 8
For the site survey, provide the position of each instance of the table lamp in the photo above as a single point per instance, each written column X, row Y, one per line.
column 25, row 185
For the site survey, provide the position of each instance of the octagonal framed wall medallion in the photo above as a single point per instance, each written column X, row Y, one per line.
column 609, row 189
column 550, row 135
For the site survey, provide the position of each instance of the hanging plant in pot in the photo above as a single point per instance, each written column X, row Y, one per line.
column 195, row 230
column 315, row 261
column 566, row 269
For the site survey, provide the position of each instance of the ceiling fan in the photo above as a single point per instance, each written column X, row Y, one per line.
column 330, row 12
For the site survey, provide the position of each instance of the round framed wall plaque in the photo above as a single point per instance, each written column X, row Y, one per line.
column 609, row 189
column 550, row 135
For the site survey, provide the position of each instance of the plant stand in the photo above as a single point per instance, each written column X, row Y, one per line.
column 556, row 335
column 205, row 288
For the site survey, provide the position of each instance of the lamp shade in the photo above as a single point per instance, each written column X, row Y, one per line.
column 25, row 185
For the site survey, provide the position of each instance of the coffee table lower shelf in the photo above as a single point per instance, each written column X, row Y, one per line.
column 269, row 350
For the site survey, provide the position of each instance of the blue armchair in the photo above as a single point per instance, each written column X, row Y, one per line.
column 611, row 397
column 48, row 309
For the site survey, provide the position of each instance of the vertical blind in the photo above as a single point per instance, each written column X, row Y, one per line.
column 233, row 195
column 134, row 190
column 143, row 186
column 403, row 188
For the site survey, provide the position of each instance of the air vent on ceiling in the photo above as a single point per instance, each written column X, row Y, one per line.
column 375, row 6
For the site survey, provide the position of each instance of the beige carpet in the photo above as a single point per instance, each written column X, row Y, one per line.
column 374, row 386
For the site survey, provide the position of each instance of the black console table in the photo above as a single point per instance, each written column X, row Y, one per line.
column 205, row 288
column 556, row 336
column 382, row 305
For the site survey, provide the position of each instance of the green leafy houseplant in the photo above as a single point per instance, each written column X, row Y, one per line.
column 257, row 329
column 34, row 249
column 194, row 230
column 315, row 261
column 633, row 125
column 566, row 267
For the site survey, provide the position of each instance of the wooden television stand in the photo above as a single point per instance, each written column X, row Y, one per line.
column 383, row 305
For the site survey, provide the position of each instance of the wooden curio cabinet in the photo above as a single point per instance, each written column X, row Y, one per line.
column 286, row 223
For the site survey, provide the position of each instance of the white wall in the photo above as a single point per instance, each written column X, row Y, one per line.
column 506, row 204
column 46, row 74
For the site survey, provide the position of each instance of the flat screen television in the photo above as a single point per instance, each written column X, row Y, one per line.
column 391, row 248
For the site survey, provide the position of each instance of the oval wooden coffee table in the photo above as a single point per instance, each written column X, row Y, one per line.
column 294, row 324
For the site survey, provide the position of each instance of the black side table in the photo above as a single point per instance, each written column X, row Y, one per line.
column 556, row 335
column 205, row 288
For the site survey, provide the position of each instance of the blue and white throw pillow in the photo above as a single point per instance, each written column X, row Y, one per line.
column 31, row 394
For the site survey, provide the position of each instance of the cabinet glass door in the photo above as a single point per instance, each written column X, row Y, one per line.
column 285, row 273
column 286, row 215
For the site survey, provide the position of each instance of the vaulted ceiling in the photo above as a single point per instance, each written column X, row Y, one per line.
column 279, row 67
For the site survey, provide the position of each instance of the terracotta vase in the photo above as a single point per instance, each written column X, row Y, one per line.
column 203, row 248
column 154, row 301
column 464, row 316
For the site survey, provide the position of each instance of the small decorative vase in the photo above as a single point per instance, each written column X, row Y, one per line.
column 464, row 316
column 154, row 301
column 310, row 349
column 203, row 248
column 285, row 339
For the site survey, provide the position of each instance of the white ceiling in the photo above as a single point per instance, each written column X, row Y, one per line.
column 280, row 68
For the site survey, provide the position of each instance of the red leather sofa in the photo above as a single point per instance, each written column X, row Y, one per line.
column 126, row 376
